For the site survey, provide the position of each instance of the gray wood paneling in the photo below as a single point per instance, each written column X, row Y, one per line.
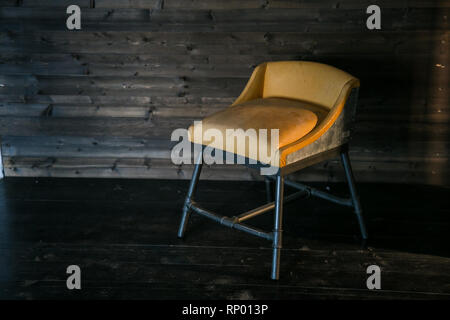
column 102, row 101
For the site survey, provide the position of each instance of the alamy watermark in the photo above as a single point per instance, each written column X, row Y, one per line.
column 74, row 280
column 250, row 145
column 374, row 280
column 374, row 20
column 73, row 22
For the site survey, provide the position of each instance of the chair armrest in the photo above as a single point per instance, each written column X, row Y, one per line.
column 324, row 126
column 255, row 85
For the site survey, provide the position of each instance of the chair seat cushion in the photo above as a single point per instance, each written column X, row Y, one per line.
column 293, row 118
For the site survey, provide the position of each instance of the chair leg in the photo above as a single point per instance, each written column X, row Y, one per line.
column 355, row 199
column 278, row 228
column 268, row 189
column 190, row 194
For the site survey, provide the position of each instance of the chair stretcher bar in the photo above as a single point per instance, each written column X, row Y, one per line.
column 318, row 193
column 235, row 222
column 230, row 222
column 269, row 206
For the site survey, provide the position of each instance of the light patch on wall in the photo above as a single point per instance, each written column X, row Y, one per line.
column 437, row 93
column 1, row 164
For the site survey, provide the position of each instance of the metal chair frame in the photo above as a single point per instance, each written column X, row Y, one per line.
column 236, row 222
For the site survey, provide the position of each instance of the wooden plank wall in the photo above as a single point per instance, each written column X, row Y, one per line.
column 103, row 101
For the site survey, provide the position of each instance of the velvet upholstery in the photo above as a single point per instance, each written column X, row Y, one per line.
column 302, row 99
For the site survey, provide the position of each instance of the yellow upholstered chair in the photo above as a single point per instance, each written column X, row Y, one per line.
column 312, row 107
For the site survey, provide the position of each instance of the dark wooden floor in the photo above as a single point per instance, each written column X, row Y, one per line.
column 122, row 233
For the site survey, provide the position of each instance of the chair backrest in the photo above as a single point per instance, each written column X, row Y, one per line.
column 304, row 80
